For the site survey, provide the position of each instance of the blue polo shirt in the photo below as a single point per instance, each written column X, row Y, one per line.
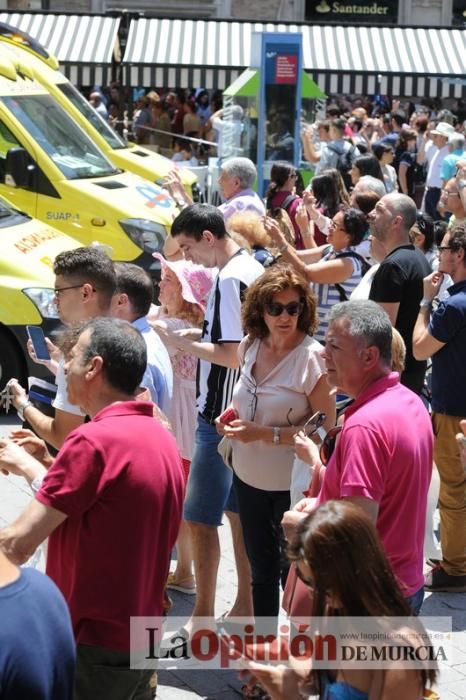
column 448, row 325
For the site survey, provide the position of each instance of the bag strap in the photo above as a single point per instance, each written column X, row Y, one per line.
column 288, row 201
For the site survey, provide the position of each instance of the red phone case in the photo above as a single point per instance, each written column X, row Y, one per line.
column 227, row 416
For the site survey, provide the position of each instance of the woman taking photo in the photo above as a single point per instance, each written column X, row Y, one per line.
column 327, row 553
column 284, row 192
column 282, row 382
column 336, row 269
column 323, row 198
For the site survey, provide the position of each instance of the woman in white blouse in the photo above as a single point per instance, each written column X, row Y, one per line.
column 282, row 382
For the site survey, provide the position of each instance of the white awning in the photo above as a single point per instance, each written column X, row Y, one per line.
column 341, row 59
column 83, row 44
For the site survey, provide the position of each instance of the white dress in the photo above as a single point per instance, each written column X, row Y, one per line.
column 183, row 412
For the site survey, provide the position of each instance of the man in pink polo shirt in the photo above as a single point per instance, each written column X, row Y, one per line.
column 383, row 456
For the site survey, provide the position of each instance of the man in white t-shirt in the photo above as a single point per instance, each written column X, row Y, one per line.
column 201, row 234
column 85, row 282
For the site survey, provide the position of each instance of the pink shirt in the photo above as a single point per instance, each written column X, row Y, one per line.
column 385, row 453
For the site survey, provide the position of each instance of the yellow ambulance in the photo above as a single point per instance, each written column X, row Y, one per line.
column 27, row 250
column 137, row 159
column 50, row 168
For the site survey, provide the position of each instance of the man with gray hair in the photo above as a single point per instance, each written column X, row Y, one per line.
column 237, row 176
column 398, row 283
column 368, row 183
column 380, row 463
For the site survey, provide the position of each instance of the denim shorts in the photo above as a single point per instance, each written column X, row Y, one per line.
column 210, row 491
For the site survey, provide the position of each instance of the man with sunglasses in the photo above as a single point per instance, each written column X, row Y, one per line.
column 441, row 334
column 382, row 460
column 85, row 282
column 452, row 202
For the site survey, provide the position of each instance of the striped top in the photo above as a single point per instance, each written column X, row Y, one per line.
column 328, row 295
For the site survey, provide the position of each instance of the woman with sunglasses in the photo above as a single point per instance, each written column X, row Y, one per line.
column 336, row 269
column 327, row 553
column 282, row 383
column 423, row 237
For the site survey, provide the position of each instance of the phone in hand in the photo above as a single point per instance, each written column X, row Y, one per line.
column 227, row 416
column 37, row 338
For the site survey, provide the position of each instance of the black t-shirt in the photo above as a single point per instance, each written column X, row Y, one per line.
column 400, row 279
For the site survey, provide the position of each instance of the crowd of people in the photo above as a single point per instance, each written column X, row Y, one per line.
column 291, row 335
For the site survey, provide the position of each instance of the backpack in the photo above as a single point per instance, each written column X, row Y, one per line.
column 364, row 268
column 344, row 163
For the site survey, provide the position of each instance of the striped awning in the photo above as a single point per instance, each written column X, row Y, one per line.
column 341, row 59
column 83, row 44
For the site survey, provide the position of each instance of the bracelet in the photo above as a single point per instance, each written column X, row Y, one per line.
column 461, row 184
column 22, row 407
column 276, row 435
column 283, row 247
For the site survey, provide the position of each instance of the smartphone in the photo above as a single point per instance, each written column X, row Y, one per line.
column 228, row 415
column 313, row 424
column 37, row 338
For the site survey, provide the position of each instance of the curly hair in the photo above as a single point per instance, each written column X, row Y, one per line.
column 274, row 280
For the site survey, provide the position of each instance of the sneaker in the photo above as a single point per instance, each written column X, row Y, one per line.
column 438, row 580
column 187, row 586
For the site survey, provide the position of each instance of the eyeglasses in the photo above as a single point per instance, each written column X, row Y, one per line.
column 334, row 227
column 294, row 308
column 450, row 193
column 293, row 175
column 328, row 445
column 313, row 424
column 59, row 290
column 445, row 247
column 307, row 580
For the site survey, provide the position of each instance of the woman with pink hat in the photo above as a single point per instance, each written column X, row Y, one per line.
column 184, row 289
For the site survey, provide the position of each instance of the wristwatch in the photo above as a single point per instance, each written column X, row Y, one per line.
column 276, row 435
column 22, row 407
column 461, row 184
column 425, row 302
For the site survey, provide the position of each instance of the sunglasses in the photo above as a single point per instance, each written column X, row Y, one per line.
column 294, row 308
column 328, row 445
column 313, row 424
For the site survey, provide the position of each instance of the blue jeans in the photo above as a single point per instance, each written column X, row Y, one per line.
column 210, row 491
column 415, row 601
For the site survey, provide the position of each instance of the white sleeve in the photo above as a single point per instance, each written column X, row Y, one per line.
column 230, row 311
column 61, row 399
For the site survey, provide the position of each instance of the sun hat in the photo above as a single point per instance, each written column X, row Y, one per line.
column 195, row 280
column 443, row 129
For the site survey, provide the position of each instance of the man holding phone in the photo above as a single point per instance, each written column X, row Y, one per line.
column 85, row 282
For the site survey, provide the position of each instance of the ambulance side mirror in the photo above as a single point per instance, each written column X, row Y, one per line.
column 18, row 168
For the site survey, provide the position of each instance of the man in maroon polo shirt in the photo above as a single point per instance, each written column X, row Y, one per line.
column 111, row 506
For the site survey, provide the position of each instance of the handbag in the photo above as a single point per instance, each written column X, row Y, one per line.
column 225, row 450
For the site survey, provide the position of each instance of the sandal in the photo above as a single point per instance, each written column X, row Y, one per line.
column 181, row 586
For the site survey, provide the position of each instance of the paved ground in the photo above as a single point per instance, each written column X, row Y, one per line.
column 222, row 685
